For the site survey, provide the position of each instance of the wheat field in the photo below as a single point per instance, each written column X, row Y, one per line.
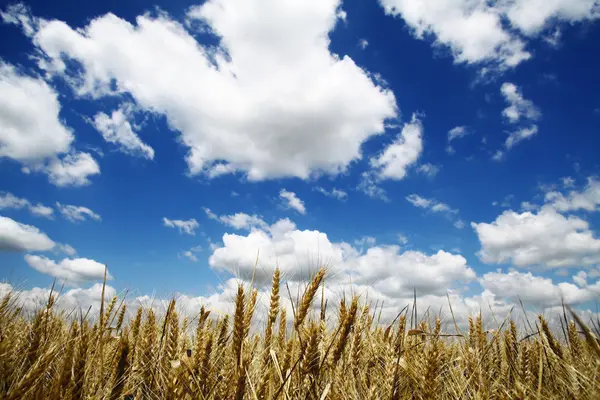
column 53, row 355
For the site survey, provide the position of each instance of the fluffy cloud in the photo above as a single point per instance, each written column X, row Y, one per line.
column 10, row 201
column 536, row 290
column 73, row 300
column 116, row 129
column 32, row 134
column 545, row 238
column 77, row 213
column 72, row 170
column 518, row 107
column 335, row 193
column 15, row 236
column 292, row 201
column 384, row 269
column 588, row 199
column 396, row 158
column 73, row 271
column 279, row 104
column 472, row 30
column 518, row 110
column 31, row 128
column 475, row 31
column 188, row 227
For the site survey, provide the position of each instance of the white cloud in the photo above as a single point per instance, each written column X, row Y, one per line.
column 72, row 170
column 66, row 248
column 116, row 129
column 73, row 300
column 402, row 239
column 15, row 236
column 588, row 199
column 292, row 201
column 191, row 254
column 545, row 238
column 237, row 220
column 335, row 193
column 567, row 181
column 31, row 128
column 520, row 135
column 528, row 206
column 384, row 269
column 518, row 107
column 188, row 227
column 457, row 133
column 363, row 43
column 533, row 16
column 77, row 213
column 274, row 101
column 32, row 133
column 41, row 210
column 369, row 185
column 73, row 271
column 536, row 290
column 472, row 30
column 428, row 170
column 476, row 31
column 10, row 201
column 430, row 204
column 459, row 224
column 396, row 158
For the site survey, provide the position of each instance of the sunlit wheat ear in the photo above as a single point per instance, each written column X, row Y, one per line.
column 308, row 297
column 554, row 345
column 238, row 326
column 121, row 318
column 121, row 369
column 346, row 326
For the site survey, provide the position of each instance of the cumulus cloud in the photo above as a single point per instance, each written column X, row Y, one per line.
column 31, row 128
column 385, row 269
column 476, row 32
column 15, row 236
column 33, row 134
column 588, row 199
column 77, row 213
column 280, row 104
column 72, row 170
column 116, row 129
column 73, row 271
column 396, row 158
column 188, row 227
column 10, row 201
column 292, row 201
column 545, row 238
column 537, row 290
column 77, row 300
column 334, row 192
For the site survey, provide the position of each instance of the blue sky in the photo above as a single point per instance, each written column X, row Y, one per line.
column 407, row 144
